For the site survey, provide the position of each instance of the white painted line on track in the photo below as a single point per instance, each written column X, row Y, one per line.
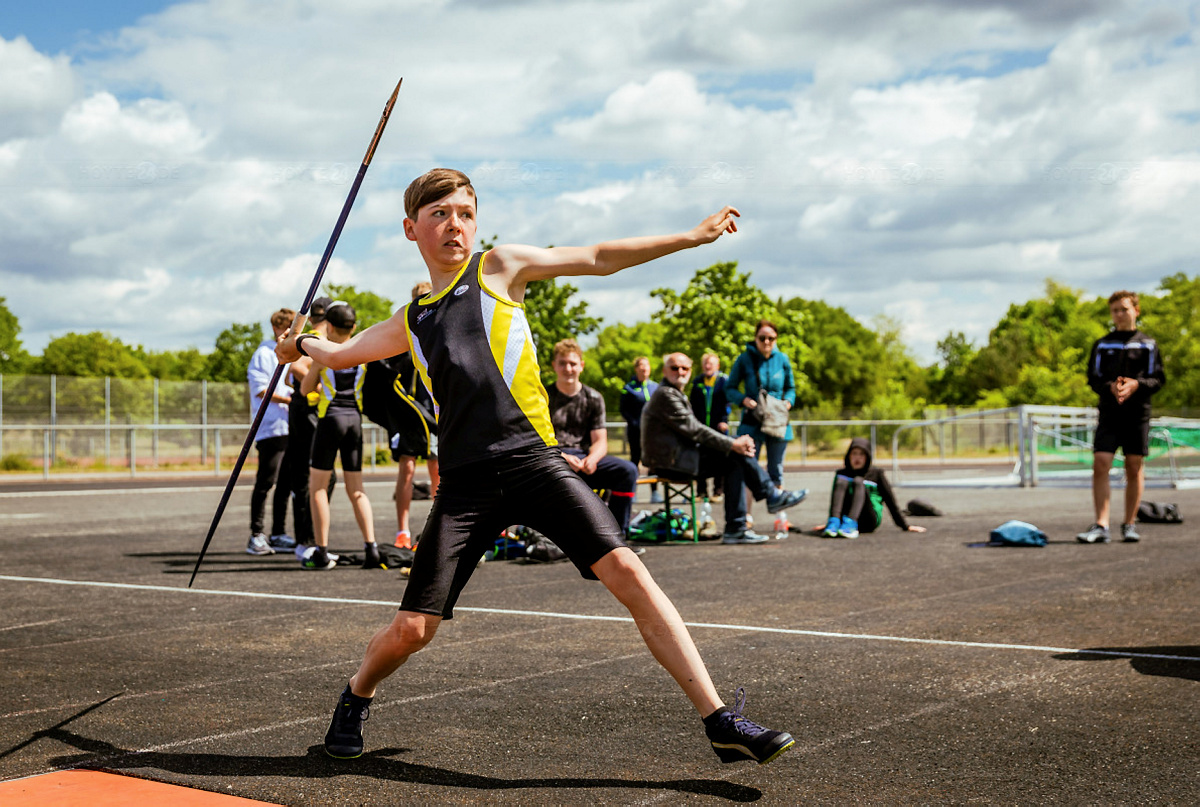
column 33, row 624
column 871, row 637
column 42, row 494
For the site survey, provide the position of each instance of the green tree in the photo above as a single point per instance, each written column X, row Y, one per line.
column 93, row 354
column 612, row 358
column 1172, row 320
column 368, row 306
column 948, row 379
column 717, row 312
column 231, row 355
column 904, row 377
column 1054, row 333
column 553, row 315
column 188, row 364
column 13, row 357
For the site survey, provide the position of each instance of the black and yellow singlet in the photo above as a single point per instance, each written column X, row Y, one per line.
column 475, row 353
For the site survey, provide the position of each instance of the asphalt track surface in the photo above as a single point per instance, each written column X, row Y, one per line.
column 910, row 668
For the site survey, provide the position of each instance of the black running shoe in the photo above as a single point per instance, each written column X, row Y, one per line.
column 736, row 738
column 371, row 557
column 344, row 738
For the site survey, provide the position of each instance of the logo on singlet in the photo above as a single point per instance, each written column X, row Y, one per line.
column 461, row 290
column 424, row 314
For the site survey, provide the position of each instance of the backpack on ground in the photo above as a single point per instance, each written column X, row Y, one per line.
column 1159, row 513
column 540, row 549
column 665, row 525
column 1017, row 533
column 920, row 507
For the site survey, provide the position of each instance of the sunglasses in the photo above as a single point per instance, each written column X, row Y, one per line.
column 765, row 338
column 679, row 367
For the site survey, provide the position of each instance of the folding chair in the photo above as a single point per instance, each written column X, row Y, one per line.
column 680, row 486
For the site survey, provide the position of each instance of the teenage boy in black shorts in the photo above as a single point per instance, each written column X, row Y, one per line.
column 339, row 431
column 471, row 343
column 1125, row 369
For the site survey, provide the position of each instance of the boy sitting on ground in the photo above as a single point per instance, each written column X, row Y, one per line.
column 859, row 493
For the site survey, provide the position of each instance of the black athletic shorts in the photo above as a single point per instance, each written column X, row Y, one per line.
column 533, row 487
column 340, row 431
column 1131, row 435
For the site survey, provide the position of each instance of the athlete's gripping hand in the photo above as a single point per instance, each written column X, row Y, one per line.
column 286, row 350
column 716, row 225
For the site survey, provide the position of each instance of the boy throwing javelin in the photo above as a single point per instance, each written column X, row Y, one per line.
column 471, row 344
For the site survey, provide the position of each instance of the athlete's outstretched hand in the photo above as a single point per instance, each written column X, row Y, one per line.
column 717, row 224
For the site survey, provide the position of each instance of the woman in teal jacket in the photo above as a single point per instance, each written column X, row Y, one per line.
column 762, row 366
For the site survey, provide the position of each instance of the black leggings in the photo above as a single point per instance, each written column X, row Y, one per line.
column 856, row 507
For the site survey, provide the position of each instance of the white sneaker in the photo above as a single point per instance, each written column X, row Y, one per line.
column 259, row 545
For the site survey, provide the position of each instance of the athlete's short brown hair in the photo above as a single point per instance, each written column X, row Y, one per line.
column 434, row 185
column 1123, row 295
column 563, row 346
column 283, row 316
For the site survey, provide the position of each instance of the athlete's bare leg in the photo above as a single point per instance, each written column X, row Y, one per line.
column 318, row 497
column 361, row 505
column 1135, row 484
column 623, row 573
column 1102, row 463
column 391, row 647
column 403, row 495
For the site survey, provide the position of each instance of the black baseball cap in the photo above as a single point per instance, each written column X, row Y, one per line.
column 317, row 312
column 340, row 314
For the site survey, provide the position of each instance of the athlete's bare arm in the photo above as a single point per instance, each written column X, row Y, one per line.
column 380, row 341
column 510, row 266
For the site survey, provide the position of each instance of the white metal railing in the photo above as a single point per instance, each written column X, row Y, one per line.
column 1058, row 423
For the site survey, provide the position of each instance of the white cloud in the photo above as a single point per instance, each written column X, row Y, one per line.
column 34, row 89
column 890, row 158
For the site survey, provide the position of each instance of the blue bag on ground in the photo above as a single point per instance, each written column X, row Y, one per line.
column 1017, row 533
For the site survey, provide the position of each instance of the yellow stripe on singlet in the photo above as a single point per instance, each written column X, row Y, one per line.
column 511, row 343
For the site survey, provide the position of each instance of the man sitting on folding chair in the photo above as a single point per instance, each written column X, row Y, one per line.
column 676, row 445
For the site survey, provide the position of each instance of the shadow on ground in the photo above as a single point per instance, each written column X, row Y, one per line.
column 315, row 764
column 1171, row 661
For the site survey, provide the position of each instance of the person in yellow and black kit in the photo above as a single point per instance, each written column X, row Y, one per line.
column 302, row 428
column 472, row 345
column 339, row 431
column 1125, row 368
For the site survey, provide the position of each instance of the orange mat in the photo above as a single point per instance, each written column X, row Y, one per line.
column 98, row 789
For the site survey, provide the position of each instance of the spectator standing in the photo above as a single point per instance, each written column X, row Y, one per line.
column 711, row 408
column 271, row 441
column 634, row 396
column 302, row 426
column 762, row 366
column 1125, row 368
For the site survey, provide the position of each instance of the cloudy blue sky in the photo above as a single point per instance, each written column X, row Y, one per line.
column 170, row 168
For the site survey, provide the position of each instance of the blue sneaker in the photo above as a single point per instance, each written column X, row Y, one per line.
column 282, row 541
column 831, row 527
column 735, row 738
column 849, row 528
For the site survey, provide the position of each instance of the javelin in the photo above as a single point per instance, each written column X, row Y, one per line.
column 297, row 326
